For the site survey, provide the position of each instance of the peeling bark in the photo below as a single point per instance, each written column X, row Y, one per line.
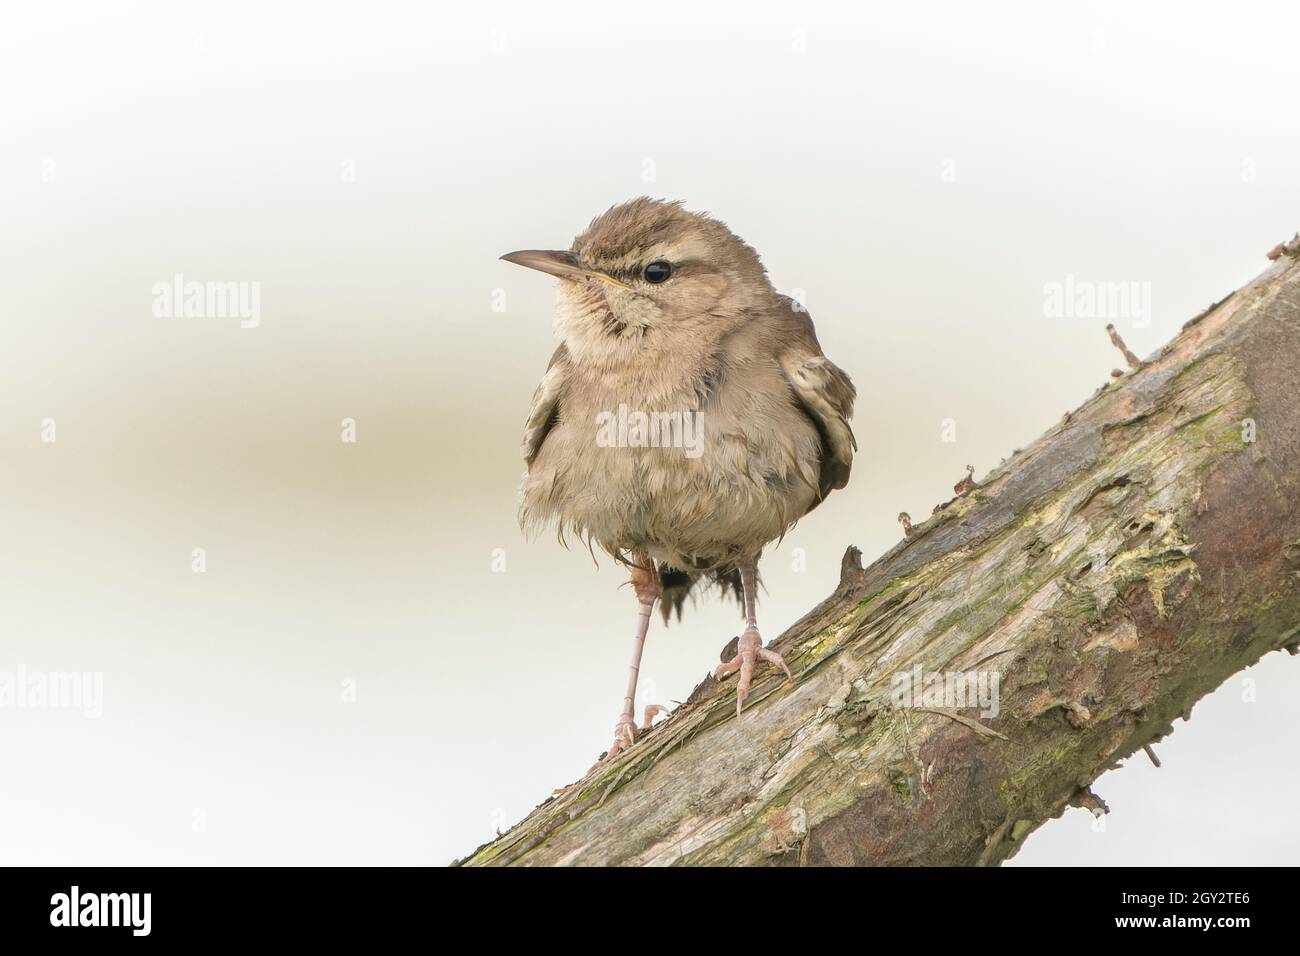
column 1112, row 574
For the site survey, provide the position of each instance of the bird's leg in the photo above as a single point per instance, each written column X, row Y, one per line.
column 750, row 646
column 645, row 581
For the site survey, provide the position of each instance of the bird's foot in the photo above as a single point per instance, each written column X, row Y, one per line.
column 749, row 652
column 624, row 735
column 626, row 731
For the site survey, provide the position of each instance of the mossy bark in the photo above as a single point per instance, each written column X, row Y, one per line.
column 1111, row 574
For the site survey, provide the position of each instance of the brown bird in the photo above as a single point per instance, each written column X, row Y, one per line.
column 687, row 419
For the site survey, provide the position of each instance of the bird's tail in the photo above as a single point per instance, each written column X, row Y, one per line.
column 678, row 585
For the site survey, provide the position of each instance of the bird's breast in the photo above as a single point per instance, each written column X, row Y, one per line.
column 696, row 469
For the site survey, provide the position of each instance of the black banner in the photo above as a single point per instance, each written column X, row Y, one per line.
column 334, row 906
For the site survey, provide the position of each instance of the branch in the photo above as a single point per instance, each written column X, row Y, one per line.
column 1109, row 576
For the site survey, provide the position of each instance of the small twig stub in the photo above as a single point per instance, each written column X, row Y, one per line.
column 1118, row 341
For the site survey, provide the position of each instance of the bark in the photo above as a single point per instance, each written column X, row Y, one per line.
column 1111, row 574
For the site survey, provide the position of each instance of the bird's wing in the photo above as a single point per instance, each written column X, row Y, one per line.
column 545, row 409
column 825, row 393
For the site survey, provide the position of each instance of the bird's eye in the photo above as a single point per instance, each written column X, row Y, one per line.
column 657, row 272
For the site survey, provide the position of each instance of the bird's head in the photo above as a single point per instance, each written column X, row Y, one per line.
column 647, row 267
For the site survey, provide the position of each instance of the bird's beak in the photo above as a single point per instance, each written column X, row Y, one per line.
column 557, row 262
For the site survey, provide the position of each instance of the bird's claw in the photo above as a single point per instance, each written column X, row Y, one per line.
column 749, row 651
column 624, row 735
column 626, row 731
column 651, row 712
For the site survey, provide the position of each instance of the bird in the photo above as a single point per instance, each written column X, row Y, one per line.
column 687, row 419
